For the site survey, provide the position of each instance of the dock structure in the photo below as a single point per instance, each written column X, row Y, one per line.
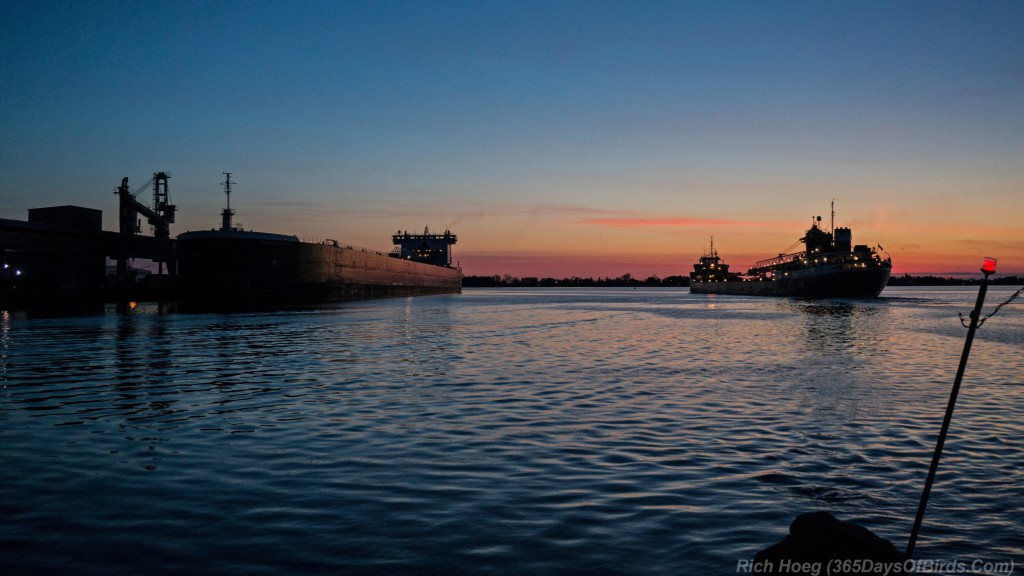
column 61, row 252
column 160, row 216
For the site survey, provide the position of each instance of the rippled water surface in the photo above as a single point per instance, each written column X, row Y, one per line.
column 524, row 431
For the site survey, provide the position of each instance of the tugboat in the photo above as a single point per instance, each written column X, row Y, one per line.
column 829, row 267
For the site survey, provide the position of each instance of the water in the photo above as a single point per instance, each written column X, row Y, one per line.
column 594, row 431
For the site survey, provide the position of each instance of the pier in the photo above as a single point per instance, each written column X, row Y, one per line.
column 59, row 255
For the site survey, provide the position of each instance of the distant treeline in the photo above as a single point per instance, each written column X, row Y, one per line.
column 908, row 280
column 627, row 280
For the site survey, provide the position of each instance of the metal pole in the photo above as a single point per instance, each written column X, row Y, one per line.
column 949, row 411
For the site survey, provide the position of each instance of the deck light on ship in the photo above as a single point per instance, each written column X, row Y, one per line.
column 989, row 267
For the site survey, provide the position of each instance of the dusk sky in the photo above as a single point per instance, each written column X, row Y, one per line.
column 554, row 138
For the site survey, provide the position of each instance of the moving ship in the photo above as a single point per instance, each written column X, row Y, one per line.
column 233, row 268
column 829, row 266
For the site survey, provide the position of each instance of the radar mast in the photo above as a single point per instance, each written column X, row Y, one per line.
column 225, row 216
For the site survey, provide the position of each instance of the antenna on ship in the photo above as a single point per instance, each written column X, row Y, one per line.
column 225, row 216
column 832, row 228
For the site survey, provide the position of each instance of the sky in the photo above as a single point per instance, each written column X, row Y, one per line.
column 554, row 138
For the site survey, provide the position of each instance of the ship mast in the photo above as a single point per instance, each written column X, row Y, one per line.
column 832, row 228
column 225, row 216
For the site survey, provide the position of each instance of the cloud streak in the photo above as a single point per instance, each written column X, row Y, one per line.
column 477, row 209
column 681, row 222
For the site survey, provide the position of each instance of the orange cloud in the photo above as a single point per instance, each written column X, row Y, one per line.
column 682, row 222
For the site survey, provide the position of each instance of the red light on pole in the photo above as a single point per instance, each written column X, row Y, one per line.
column 989, row 267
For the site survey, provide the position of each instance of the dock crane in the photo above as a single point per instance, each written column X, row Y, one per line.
column 160, row 216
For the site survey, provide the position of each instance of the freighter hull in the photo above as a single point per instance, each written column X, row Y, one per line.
column 823, row 282
column 252, row 270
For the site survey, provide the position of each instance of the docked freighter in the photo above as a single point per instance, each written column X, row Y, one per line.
column 233, row 268
column 830, row 266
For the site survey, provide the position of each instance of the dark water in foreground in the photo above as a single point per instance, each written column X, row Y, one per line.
column 525, row 431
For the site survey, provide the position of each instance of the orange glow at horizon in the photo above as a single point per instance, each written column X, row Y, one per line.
column 644, row 250
column 683, row 222
column 642, row 266
column 562, row 240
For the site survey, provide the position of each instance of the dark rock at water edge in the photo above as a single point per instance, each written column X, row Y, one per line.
column 819, row 538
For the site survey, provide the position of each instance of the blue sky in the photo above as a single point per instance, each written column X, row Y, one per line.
column 528, row 127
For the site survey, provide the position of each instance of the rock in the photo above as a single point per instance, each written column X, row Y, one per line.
column 818, row 543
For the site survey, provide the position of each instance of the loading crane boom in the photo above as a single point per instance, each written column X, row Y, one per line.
column 160, row 216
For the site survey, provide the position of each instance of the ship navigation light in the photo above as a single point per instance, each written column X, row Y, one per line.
column 989, row 267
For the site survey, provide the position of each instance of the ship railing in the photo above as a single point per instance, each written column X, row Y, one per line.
column 769, row 264
column 332, row 242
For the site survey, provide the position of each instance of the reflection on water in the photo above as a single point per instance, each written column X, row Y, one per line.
column 504, row 431
column 5, row 337
column 843, row 325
